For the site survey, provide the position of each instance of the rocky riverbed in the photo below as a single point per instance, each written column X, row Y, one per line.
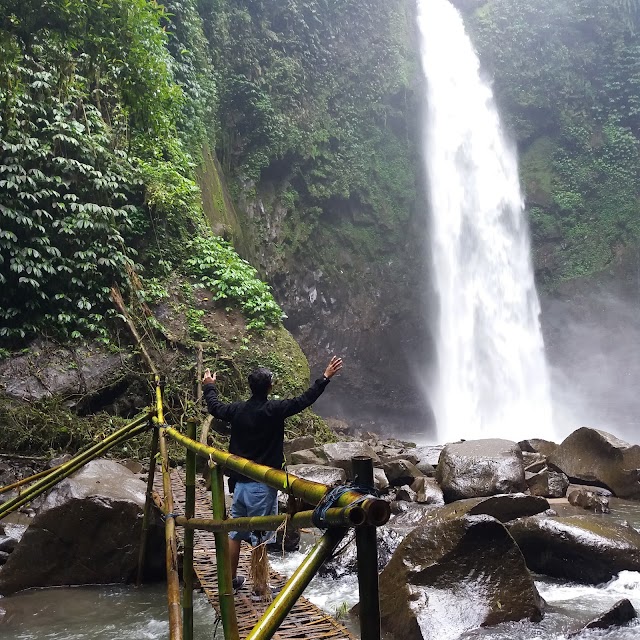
column 476, row 526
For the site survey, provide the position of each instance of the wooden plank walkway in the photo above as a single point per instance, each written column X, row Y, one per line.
column 304, row 621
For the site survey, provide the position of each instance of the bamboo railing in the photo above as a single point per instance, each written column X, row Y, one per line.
column 352, row 509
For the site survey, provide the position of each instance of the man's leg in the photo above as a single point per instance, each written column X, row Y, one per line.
column 238, row 510
column 234, row 555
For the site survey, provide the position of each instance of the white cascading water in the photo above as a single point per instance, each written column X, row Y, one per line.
column 492, row 377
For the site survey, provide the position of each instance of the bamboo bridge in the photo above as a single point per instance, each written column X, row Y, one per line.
column 200, row 521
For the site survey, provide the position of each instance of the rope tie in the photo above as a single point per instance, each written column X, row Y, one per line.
column 169, row 515
column 331, row 498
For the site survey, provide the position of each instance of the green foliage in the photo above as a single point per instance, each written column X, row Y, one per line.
column 216, row 266
column 576, row 113
column 93, row 171
column 63, row 211
column 315, row 97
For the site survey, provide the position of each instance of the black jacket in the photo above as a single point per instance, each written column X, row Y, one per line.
column 257, row 425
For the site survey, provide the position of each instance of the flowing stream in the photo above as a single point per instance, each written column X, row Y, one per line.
column 118, row 612
column 492, row 378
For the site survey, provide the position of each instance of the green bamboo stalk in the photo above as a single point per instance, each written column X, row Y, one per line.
column 378, row 511
column 148, row 503
column 225, row 587
column 132, row 429
column 32, row 478
column 173, row 579
column 297, row 583
column 189, row 512
column 337, row 517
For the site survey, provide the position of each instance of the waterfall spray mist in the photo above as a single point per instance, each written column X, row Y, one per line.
column 492, row 378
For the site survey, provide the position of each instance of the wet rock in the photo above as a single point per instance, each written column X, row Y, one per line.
column 380, row 480
column 406, row 494
column 430, row 590
column 339, row 454
column 61, row 371
column 533, row 462
column 589, row 500
column 347, row 562
column 406, row 515
column 428, row 455
column 401, row 472
column 599, row 491
column 478, row 468
column 503, row 507
column 598, row 457
column 331, row 476
column 537, row 445
column 401, row 455
column 4, row 556
column 86, row 531
column 297, row 444
column 621, row 613
column 7, row 544
column 309, row 456
column 58, row 460
column 427, row 491
column 548, row 484
column 587, row 549
column 133, row 465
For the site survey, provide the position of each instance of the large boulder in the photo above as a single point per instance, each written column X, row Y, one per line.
column 452, row 575
column 86, row 531
column 476, row 468
column 339, row 454
column 587, row 548
column 308, row 456
column 593, row 456
column 62, row 371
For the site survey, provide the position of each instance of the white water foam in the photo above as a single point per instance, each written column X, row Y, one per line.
column 492, row 377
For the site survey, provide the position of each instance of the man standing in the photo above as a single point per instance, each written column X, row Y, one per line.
column 257, row 433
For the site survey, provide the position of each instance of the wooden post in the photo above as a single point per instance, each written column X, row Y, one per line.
column 189, row 512
column 148, row 503
column 223, row 560
column 173, row 579
column 367, row 550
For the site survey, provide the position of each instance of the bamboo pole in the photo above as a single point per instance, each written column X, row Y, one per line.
column 292, row 590
column 116, row 296
column 337, row 517
column 51, row 480
column 187, row 561
column 378, row 511
column 32, row 478
column 173, row 579
column 223, row 560
column 147, row 506
column 367, row 559
column 130, row 430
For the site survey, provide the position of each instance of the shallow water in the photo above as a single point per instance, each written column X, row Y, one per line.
column 96, row 613
column 126, row 613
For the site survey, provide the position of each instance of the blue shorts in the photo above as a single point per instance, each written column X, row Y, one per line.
column 252, row 499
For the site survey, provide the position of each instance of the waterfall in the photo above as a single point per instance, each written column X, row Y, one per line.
column 492, row 379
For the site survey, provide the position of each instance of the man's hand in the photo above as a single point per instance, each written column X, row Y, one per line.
column 335, row 364
column 208, row 378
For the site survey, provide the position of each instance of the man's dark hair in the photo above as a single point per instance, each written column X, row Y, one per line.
column 260, row 381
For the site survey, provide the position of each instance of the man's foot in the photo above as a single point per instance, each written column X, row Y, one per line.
column 259, row 597
column 237, row 583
